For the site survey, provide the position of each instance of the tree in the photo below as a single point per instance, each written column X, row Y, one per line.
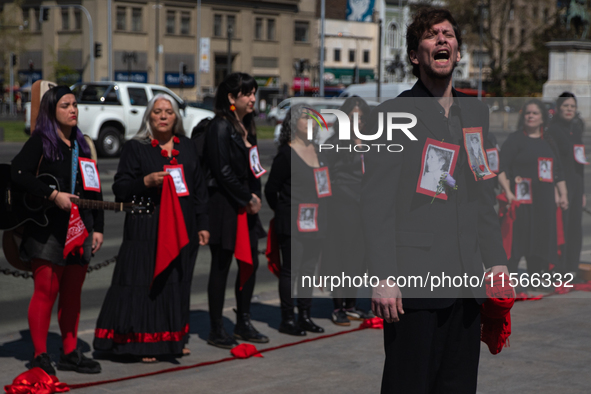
column 13, row 34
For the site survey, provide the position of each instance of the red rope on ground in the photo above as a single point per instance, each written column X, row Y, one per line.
column 205, row 363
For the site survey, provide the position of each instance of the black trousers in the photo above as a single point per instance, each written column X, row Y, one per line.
column 302, row 254
column 221, row 259
column 433, row 351
column 572, row 221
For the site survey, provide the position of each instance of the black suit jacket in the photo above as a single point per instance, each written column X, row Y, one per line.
column 405, row 233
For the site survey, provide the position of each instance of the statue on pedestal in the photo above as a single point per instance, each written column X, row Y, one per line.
column 577, row 14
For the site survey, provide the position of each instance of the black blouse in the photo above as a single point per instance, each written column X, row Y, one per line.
column 24, row 174
column 567, row 134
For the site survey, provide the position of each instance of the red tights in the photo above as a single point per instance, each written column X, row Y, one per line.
column 51, row 279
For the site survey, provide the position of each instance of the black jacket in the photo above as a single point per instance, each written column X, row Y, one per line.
column 408, row 234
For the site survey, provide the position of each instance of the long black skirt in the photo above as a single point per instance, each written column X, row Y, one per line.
column 139, row 317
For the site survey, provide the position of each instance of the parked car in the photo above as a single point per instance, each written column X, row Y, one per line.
column 318, row 104
column 111, row 112
column 369, row 90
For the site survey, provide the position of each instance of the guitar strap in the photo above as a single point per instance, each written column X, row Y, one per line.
column 74, row 166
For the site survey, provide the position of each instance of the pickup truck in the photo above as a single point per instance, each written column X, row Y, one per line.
column 111, row 112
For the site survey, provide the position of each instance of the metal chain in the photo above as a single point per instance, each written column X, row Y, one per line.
column 27, row 274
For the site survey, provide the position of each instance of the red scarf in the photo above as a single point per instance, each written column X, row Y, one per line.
column 77, row 233
column 36, row 381
column 495, row 321
column 559, row 230
column 242, row 250
column 172, row 231
column 273, row 250
column 508, row 216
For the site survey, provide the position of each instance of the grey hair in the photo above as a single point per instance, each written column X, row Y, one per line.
column 145, row 130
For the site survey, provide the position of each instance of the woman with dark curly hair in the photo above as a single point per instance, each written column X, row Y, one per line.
column 232, row 159
column 300, row 218
column 567, row 129
column 534, row 229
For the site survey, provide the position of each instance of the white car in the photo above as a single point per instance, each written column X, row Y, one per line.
column 318, row 104
column 111, row 112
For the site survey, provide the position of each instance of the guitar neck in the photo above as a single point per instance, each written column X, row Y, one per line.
column 94, row 204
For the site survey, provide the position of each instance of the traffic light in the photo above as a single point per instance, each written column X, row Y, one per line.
column 98, row 49
column 45, row 14
column 13, row 59
column 184, row 69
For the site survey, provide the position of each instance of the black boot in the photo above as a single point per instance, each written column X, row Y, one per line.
column 289, row 326
column 245, row 330
column 219, row 337
column 306, row 323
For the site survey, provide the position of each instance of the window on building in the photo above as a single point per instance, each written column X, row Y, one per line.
column 366, row 56
column 217, row 25
column 271, row 29
column 136, row 19
column 534, row 13
column 65, row 18
column 511, row 36
column 351, row 55
column 511, row 13
column 392, row 37
column 477, row 55
column 37, row 23
column 522, row 38
column 77, row 19
column 121, row 16
column 231, row 24
column 258, row 29
column 170, row 22
column 185, row 23
column 337, row 55
column 546, row 15
column 301, row 31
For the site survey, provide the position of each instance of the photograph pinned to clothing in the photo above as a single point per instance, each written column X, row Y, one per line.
column 473, row 142
column 438, row 158
column 178, row 176
column 90, row 175
column 493, row 159
column 255, row 162
column 545, row 169
column 307, row 218
column 523, row 192
column 580, row 157
column 322, row 180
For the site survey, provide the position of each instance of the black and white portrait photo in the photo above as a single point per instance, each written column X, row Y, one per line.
column 545, row 169
column 90, row 176
column 255, row 162
column 523, row 191
column 579, row 151
column 322, row 182
column 493, row 159
column 437, row 161
column 307, row 217
column 178, row 178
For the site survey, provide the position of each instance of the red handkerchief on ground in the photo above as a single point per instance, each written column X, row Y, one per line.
column 172, row 231
column 242, row 250
column 273, row 251
column 77, row 233
column 245, row 350
column 375, row 322
column 495, row 312
column 36, row 381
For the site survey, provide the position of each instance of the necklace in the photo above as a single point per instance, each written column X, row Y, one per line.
column 164, row 153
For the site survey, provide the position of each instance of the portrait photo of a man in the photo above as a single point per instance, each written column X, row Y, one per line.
column 90, row 176
column 255, row 162
column 493, row 159
column 579, row 151
column 307, row 215
column 523, row 191
column 322, row 182
column 178, row 177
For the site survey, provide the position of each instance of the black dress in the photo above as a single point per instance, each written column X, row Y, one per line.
column 567, row 134
column 139, row 317
column 534, row 229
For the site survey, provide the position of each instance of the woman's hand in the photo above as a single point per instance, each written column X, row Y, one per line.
column 155, row 179
column 510, row 197
column 254, row 205
column 97, row 241
column 563, row 202
column 63, row 200
column 203, row 237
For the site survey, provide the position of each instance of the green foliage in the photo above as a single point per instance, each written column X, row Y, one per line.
column 14, row 131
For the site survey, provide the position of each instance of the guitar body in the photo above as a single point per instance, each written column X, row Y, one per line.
column 18, row 207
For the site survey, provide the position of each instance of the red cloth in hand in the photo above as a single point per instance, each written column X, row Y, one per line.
column 242, row 250
column 36, row 381
column 559, row 230
column 77, row 233
column 172, row 231
column 374, row 322
column 495, row 312
column 508, row 214
column 245, row 350
column 273, row 251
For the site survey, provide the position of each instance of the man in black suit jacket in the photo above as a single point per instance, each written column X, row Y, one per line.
column 431, row 338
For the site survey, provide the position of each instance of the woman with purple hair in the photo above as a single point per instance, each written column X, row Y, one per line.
column 54, row 148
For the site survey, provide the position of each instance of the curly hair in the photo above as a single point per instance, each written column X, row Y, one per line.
column 423, row 20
